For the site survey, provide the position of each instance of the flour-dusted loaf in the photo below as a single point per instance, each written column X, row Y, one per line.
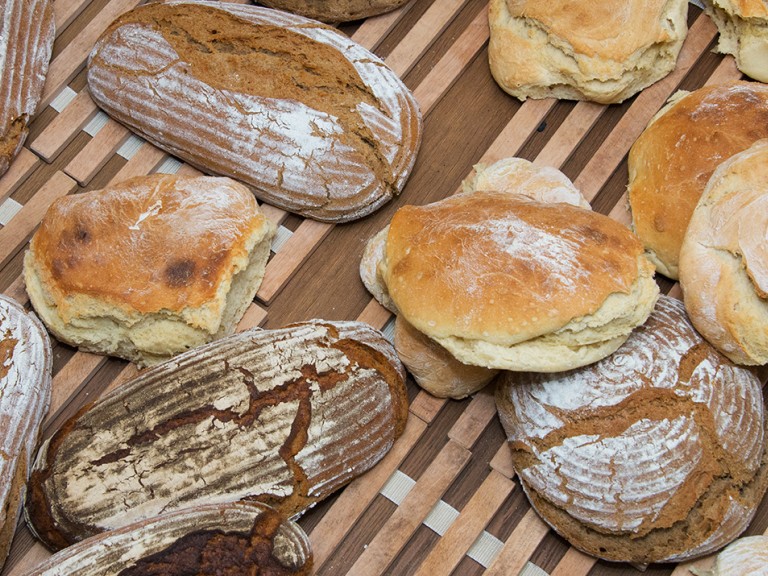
column 724, row 258
column 283, row 416
column 743, row 28
column 657, row 453
column 149, row 267
column 747, row 556
column 25, row 393
column 673, row 159
column 27, row 31
column 584, row 50
column 336, row 10
column 235, row 538
column 313, row 122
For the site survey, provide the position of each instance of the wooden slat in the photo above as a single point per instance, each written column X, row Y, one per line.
column 519, row 546
column 63, row 129
column 21, row 167
column 97, row 152
column 474, row 419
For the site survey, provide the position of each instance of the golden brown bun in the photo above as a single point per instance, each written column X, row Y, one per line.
column 743, row 27
column 657, row 453
column 674, row 157
column 505, row 282
column 600, row 51
column 724, row 258
column 27, row 31
column 149, row 267
column 335, row 10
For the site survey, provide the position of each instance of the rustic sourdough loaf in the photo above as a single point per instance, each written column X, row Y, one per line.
column 235, row 538
column 27, row 32
column 724, row 258
column 657, row 453
column 284, row 417
column 149, row 267
column 312, row 121
column 601, row 51
column 747, row 556
column 25, row 393
column 674, row 157
column 335, row 10
column 743, row 27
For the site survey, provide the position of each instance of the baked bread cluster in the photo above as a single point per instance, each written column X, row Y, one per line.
column 743, row 28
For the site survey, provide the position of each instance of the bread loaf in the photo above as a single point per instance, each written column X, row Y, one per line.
column 311, row 121
column 149, row 267
column 600, row 51
column 27, row 31
column 335, row 10
column 284, row 417
column 231, row 538
column 747, row 556
column 674, row 157
column 724, row 258
column 657, row 453
column 25, row 393
column 743, row 28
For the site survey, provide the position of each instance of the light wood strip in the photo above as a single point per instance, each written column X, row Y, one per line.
column 426, row 406
column 525, row 121
column 304, row 241
column 97, row 152
column 73, row 374
column 502, row 461
column 375, row 314
column 610, row 154
column 21, row 167
column 143, row 162
column 520, row 545
column 474, row 419
column 574, row 563
column 64, row 127
column 457, row 540
column 64, row 11
column 17, row 291
column 412, row 511
column 371, row 32
column 357, row 496
column 569, row 134
column 450, row 66
column 24, row 223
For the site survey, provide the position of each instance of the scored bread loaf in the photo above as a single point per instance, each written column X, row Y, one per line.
column 674, row 157
column 313, row 122
column 284, row 417
column 335, row 10
column 229, row 538
column 25, row 394
column 149, row 267
column 601, row 51
column 657, row 453
column 743, row 28
column 724, row 258
column 27, row 31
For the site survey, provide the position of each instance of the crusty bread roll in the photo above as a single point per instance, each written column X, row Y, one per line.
column 335, row 10
column 229, row 538
column 27, row 31
column 743, row 28
column 25, row 394
column 724, row 258
column 149, row 267
column 747, row 556
column 674, row 157
column 657, row 453
column 505, row 282
column 599, row 51
column 313, row 122
column 284, row 417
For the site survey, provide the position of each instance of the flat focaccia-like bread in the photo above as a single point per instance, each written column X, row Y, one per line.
column 313, row 122
column 284, row 417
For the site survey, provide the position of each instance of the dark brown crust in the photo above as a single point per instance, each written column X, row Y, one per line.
column 336, row 10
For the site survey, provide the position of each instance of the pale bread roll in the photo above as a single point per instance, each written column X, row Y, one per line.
column 724, row 258
column 600, row 51
column 148, row 267
column 657, row 453
column 743, row 28
column 747, row 556
column 673, row 159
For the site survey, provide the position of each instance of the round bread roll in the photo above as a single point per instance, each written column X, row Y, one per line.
column 724, row 258
column 149, row 267
column 655, row 454
column 674, row 157
column 505, row 282
column 745, row 556
column 743, row 27
column 599, row 51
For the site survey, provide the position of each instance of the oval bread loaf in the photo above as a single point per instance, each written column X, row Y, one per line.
column 335, row 10
column 282, row 416
column 313, row 122
column 229, row 538
column 25, row 393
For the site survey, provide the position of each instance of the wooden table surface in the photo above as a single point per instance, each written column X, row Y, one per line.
column 444, row 500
